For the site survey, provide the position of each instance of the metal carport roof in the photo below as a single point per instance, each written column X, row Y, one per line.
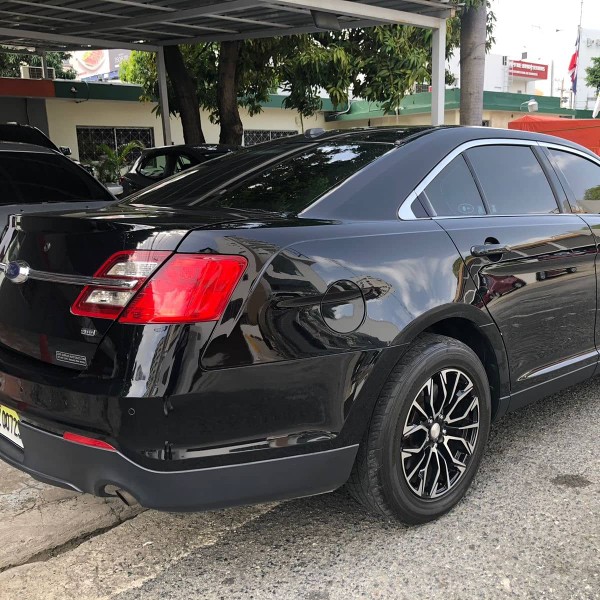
column 152, row 24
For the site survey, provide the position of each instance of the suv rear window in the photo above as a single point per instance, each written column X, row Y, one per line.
column 31, row 178
column 280, row 178
column 25, row 135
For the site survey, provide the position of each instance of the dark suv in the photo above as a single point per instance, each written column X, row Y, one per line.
column 352, row 308
column 37, row 179
column 27, row 134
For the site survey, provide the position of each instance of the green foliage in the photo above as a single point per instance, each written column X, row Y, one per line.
column 592, row 193
column 111, row 161
column 10, row 63
column 257, row 74
column 378, row 64
column 593, row 74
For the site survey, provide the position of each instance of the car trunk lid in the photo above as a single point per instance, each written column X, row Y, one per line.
column 61, row 251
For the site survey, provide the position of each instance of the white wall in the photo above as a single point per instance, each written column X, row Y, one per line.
column 496, row 77
column 589, row 48
column 65, row 115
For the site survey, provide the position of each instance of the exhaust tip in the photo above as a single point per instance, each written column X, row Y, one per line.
column 126, row 498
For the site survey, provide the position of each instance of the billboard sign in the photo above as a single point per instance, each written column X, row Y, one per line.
column 95, row 63
column 522, row 69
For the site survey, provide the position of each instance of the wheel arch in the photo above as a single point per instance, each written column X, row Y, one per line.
column 474, row 328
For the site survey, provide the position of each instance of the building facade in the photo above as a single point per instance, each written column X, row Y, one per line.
column 589, row 48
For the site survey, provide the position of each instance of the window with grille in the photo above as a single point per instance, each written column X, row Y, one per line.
column 90, row 138
column 258, row 136
column 422, row 87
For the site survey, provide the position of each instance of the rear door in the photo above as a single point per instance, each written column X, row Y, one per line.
column 533, row 264
column 580, row 177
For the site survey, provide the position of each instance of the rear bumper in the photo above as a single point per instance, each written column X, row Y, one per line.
column 51, row 459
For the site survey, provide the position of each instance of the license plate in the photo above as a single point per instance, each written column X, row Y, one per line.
column 9, row 425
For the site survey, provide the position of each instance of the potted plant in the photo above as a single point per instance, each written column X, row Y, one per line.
column 111, row 162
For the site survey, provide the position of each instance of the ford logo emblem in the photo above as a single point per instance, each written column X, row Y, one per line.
column 17, row 271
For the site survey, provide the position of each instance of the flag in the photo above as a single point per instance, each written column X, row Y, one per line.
column 597, row 107
column 573, row 66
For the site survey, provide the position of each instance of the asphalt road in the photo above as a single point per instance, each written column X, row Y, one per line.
column 529, row 528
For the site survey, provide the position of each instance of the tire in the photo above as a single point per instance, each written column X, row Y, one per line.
column 383, row 478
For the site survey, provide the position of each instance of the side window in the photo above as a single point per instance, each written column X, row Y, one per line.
column 453, row 192
column 512, row 180
column 583, row 176
column 154, row 166
column 182, row 163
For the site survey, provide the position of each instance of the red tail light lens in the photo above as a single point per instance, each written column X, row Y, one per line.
column 87, row 441
column 107, row 302
column 189, row 288
column 185, row 288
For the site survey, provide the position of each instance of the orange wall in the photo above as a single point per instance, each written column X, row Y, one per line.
column 27, row 88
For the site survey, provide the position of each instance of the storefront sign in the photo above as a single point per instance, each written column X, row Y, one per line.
column 527, row 70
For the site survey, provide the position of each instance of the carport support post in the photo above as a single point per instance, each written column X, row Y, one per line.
column 438, row 75
column 163, row 97
column 44, row 64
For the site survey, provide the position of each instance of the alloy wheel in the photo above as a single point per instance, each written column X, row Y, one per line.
column 440, row 434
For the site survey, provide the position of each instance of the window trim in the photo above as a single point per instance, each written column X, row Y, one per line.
column 562, row 178
column 405, row 212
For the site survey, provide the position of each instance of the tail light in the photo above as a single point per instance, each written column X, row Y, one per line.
column 107, row 302
column 185, row 288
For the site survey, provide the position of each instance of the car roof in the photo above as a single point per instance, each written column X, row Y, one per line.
column 22, row 147
column 447, row 134
column 200, row 147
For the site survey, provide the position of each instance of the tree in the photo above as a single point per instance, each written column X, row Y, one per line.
column 593, row 74
column 224, row 76
column 379, row 64
column 184, row 88
column 11, row 62
column 473, row 36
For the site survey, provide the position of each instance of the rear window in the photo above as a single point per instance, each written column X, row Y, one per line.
column 280, row 178
column 35, row 178
column 25, row 135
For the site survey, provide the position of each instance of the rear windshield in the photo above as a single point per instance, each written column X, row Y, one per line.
column 30, row 178
column 281, row 178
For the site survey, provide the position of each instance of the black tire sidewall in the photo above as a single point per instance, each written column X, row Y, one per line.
column 415, row 373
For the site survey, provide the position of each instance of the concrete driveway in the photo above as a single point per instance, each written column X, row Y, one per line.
column 529, row 528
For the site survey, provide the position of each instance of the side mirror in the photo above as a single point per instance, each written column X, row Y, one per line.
column 65, row 150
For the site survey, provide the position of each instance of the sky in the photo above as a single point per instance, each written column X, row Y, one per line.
column 546, row 29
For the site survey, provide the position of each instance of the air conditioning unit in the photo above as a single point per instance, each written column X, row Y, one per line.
column 28, row 72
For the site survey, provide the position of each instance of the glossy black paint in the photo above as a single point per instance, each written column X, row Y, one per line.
column 330, row 301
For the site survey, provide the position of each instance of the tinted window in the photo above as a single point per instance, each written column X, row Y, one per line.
column 32, row 178
column 183, row 162
column 583, row 176
column 454, row 193
column 25, row 135
column 283, row 178
column 512, row 180
column 154, row 166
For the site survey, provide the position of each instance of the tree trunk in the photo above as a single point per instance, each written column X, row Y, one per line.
column 185, row 90
column 473, row 34
column 232, row 129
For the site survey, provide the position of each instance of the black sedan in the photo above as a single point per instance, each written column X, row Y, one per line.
column 311, row 312
column 156, row 164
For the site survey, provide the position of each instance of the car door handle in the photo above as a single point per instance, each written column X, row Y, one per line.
column 489, row 249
